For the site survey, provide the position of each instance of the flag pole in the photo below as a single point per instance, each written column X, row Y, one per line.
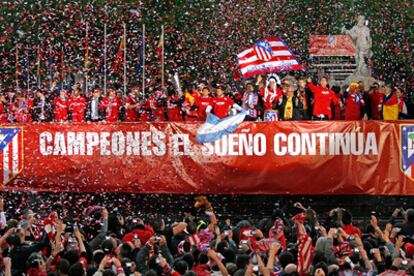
column 143, row 59
column 105, row 53
column 62, row 65
column 17, row 67
column 38, row 66
column 125, row 56
column 86, row 60
column 162, row 57
column 28, row 71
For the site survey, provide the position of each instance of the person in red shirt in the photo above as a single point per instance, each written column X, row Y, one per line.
column 221, row 104
column 3, row 113
column 77, row 106
column 154, row 108
column 189, row 110
column 272, row 94
column 140, row 232
column 202, row 103
column 132, row 104
column 354, row 104
column 376, row 100
column 60, row 109
column 323, row 98
column 173, row 108
column 111, row 104
column 20, row 109
column 160, row 106
column 348, row 227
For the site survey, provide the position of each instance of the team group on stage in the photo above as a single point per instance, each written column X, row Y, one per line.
column 291, row 99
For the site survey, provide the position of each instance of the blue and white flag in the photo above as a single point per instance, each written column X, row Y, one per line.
column 214, row 127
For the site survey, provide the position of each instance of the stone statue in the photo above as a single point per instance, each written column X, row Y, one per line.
column 361, row 37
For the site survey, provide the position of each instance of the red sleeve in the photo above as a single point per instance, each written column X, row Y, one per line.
column 149, row 229
column 128, row 237
column 197, row 102
column 312, row 87
column 333, row 97
column 230, row 101
column 83, row 103
column 102, row 104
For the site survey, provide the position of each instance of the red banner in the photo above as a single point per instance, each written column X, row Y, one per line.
column 364, row 157
column 331, row 45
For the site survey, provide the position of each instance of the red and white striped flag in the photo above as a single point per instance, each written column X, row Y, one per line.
column 11, row 153
column 270, row 55
column 305, row 254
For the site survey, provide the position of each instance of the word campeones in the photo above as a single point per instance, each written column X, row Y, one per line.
column 247, row 144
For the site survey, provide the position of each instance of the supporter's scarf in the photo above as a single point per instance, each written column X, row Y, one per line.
column 305, row 254
column 288, row 109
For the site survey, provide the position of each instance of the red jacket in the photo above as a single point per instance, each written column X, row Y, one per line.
column 3, row 114
column 352, row 230
column 173, row 109
column 143, row 235
column 221, row 106
column 157, row 111
column 77, row 105
column 61, row 109
column 376, row 99
column 111, row 106
column 190, row 114
column 323, row 98
column 131, row 114
column 353, row 104
column 271, row 98
column 202, row 270
column 202, row 103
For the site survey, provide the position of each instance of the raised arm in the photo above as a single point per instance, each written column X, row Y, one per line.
column 311, row 85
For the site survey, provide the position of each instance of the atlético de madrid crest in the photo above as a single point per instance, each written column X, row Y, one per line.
column 11, row 153
column 407, row 150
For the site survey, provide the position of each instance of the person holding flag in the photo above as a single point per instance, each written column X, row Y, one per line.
column 202, row 103
column 272, row 93
column 390, row 104
column 221, row 104
column 251, row 102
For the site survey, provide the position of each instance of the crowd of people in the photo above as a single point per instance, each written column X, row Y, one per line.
column 42, row 41
column 290, row 99
column 91, row 234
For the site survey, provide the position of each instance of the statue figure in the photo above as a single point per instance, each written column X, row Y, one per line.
column 360, row 35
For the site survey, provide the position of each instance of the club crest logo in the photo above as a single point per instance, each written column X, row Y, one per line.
column 11, row 153
column 407, row 150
